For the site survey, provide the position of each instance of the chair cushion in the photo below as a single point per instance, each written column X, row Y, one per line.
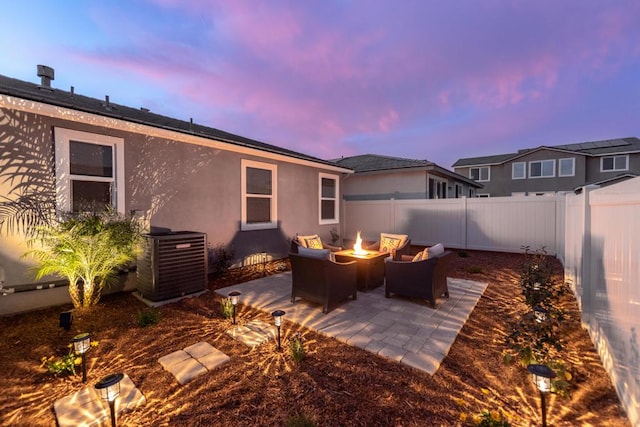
column 389, row 242
column 434, row 250
column 418, row 256
column 315, row 253
column 312, row 241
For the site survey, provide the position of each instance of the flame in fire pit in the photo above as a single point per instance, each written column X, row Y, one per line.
column 357, row 248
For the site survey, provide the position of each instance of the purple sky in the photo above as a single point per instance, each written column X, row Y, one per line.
column 436, row 80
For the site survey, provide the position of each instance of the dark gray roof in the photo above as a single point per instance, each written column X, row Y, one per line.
column 377, row 163
column 373, row 162
column 591, row 148
column 53, row 96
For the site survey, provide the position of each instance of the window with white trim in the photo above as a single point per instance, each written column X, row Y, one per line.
column 483, row 195
column 567, row 167
column 519, row 170
column 479, row 174
column 614, row 163
column 329, row 191
column 89, row 171
column 259, row 183
column 542, row 169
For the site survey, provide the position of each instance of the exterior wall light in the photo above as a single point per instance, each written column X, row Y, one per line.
column 234, row 301
column 542, row 376
column 82, row 344
column 277, row 318
column 109, row 389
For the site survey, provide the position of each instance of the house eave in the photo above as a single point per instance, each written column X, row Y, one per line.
column 128, row 125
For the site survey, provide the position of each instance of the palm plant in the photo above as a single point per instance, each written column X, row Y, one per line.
column 87, row 250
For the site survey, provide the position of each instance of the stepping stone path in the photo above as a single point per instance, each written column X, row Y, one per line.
column 253, row 333
column 86, row 408
column 192, row 361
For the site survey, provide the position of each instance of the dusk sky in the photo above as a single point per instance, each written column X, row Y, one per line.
column 435, row 80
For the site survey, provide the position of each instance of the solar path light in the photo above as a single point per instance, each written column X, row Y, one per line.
column 277, row 318
column 82, row 344
column 109, row 389
column 542, row 376
column 234, row 301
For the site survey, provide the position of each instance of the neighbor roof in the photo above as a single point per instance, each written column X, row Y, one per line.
column 377, row 163
column 33, row 92
column 592, row 148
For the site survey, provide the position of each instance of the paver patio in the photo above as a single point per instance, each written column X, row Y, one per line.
column 404, row 330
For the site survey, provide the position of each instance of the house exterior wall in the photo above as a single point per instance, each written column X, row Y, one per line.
column 386, row 185
column 172, row 184
column 587, row 169
column 399, row 185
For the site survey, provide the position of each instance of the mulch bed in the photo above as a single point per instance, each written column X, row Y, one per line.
column 335, row 385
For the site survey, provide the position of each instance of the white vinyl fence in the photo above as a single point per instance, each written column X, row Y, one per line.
column 503, row 224
column 602, row 263
column 595, row 234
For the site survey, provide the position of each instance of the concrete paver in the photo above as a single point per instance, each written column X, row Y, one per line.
column 86, row 408
column 400, row 329
column 192, row 361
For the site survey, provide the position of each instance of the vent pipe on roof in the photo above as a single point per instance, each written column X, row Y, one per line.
column 46, row 74
column 73, row 90
column 146, row 110
column 106, row 102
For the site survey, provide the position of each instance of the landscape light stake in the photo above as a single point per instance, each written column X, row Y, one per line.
column 264, row 263
column 542, row 376
column 82, row 344
column 540, row 313
column 234, row 301
column 109, row 388
column 277, row 317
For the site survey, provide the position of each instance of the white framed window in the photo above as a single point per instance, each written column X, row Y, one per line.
column 259, row 183
column 483, row 195
column 479, row 174
column 89, row 171
column 542, row 169
column 519, row 170
column 329, row 192
column 567, row 167
column 614, row 163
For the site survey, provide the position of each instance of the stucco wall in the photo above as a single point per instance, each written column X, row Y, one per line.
column 175, row 185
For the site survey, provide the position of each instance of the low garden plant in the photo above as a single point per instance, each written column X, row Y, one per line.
column 537, row 338
column 296, row 347
column 226, row 307
column 148, row 317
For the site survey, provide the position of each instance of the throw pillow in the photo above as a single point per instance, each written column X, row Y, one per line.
column 435, row 250
column 310, row 241
column 402, row 238
column 387, row 244
column 418, row 256
column 314, row 253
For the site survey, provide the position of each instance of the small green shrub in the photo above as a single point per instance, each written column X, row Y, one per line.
column 226, row 307
column 491, row 419
column 300, row 421
column 296, row 347
column 148, row 317
column 463, row 254
column 475, row 269
column 64, row 365
column 335, row 237
column 220, row 258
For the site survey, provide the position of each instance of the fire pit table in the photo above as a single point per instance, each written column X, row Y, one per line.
column 370, row 267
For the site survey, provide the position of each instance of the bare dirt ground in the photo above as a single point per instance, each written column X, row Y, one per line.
column 336, row 385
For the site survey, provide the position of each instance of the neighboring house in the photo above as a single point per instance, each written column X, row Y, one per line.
column 383, row 178
column 59, row 150
column 548, row 170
